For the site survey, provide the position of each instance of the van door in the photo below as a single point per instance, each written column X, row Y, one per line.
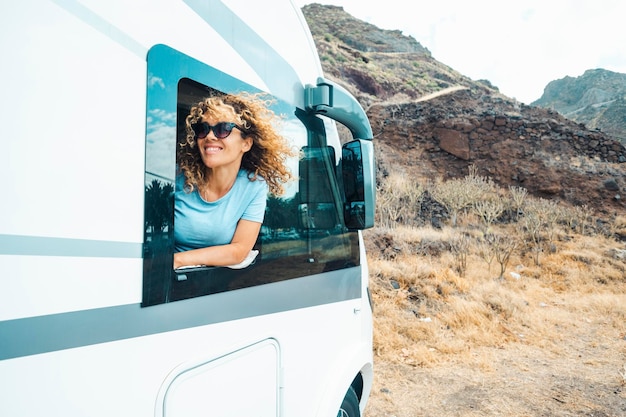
column 240, row 383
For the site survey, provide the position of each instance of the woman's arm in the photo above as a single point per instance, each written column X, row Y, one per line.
column 233, row 253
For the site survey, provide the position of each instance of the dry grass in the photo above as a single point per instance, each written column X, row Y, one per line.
column 456, row 338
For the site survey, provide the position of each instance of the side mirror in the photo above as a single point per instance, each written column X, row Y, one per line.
column 357, row 167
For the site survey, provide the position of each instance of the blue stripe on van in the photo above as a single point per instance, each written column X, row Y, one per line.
column 53, row 246
column 103, row 26
column 35, row 335
column 255, row 50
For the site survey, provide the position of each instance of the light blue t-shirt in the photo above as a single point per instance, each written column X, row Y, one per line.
column 199, row 224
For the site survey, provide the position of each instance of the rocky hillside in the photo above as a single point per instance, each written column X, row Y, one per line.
column 431, row 121
column 597, row 98
column 375, row 64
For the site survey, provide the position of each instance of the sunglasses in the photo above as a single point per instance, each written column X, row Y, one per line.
column 220, row 130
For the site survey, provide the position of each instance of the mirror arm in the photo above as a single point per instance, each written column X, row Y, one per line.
column 332, row 100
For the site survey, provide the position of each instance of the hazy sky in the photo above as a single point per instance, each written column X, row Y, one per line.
column 520, row 46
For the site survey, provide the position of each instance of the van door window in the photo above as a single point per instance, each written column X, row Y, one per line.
column 303, row 232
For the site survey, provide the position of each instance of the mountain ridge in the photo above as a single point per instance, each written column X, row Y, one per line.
column 431, row 121
column 597, row 98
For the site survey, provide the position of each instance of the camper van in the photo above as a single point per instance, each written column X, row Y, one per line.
column 94, row 319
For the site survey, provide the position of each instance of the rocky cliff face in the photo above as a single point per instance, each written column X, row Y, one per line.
column 540, row 150
column 597, row 98
column 430, row 121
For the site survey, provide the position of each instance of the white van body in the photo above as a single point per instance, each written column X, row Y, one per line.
column 80, row 140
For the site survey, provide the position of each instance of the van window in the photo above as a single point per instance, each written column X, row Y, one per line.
column 303, row 232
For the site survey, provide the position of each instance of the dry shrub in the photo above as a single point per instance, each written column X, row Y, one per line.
column 517, row 200
column 489, row 211
column 398, row 201
column 619, row 225
column 578, row 218
column 460, row 194
column 593, row 260
column 606, row 305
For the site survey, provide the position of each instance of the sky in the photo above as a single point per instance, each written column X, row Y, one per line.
column 519, row 46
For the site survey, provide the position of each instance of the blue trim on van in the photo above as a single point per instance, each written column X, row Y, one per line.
column 36, row 335
column 54, row 246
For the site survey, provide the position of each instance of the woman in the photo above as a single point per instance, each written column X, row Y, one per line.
column 231, row 157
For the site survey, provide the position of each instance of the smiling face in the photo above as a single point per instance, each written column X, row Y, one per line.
column 227, row 152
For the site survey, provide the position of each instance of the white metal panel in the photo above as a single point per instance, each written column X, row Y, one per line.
column 41, row 285
column 73, row 131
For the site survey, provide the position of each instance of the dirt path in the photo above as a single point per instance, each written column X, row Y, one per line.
column 427, row 97
column 443, row 92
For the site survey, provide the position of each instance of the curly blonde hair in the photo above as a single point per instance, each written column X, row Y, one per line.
column 269, row 152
